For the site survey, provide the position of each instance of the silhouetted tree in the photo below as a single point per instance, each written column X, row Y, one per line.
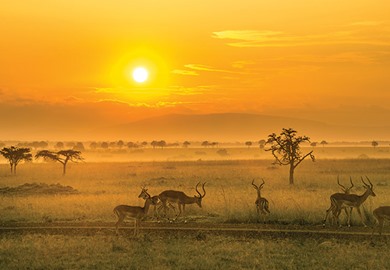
column 59, row 145
column 63, row 157
column 104, row 145
column 154, row 144
column 205, row 143
column 93, row 145
column 15, row 155
column 79, row 146
column 261, row 144
column 313, row 144
column 144, row 144
column 120, row 143
column 374, row 143
column 132, row 145
column 286, row 149
column 323, row 143
column 186, row 144
column 248, row 143
column 162, row 144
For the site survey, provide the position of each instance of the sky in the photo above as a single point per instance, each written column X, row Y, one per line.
column 67, row 63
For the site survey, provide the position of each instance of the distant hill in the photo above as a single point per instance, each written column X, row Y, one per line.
column 237, row 127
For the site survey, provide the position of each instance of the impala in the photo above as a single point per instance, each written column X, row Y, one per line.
column 381, row 214
column 155, row 201
column 179, row 197
column 333, row 206
column 134, row 212
column 261, row 202
column 352, row 200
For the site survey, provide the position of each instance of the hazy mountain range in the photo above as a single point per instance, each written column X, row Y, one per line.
column 238, row 127
column 221, row 127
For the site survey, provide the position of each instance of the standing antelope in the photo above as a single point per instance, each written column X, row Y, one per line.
column 134, row 212
column 179, row 197
column 261, row 202
column 352, row 200
column 381, row 213
column 333, row 206
column 155, row 201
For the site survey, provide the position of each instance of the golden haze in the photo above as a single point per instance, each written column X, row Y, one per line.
column 65, row 63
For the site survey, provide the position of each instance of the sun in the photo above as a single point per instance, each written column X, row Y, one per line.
column 140, row 74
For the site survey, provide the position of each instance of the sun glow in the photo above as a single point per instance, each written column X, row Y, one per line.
column 140, row 74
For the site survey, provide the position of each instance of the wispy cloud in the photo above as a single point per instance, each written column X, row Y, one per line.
column 266, row 38
column 185, row 72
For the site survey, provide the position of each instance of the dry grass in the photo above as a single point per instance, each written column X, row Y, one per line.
column 230, row 196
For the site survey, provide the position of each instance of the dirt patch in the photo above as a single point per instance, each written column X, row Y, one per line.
column 38, row 189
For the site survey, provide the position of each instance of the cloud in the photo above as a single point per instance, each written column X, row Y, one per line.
column 185, row 72
column 210, row 69
column 266, row 38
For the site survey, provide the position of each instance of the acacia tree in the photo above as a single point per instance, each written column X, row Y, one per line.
column 63, row 157
column 15, row 155
column 286, row 149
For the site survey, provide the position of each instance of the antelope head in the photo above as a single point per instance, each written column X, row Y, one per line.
column 144, row 193
column 369, row 187
column 258, row 187
column 200, row 197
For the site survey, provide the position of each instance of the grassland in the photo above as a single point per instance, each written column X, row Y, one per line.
column 230, row 199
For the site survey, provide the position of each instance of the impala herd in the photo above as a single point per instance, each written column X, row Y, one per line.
column 169, row 198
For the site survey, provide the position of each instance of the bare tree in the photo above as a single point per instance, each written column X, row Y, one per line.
column 286, row 149
column 15, row 155
column 63, row 157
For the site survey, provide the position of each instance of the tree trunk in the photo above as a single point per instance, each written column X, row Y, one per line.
column 291, row 179
column 14, row 168
column 64, row 169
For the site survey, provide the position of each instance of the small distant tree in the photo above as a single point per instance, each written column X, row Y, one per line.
column 214, row 144
column 186, row 144
column 132, row 145
column 144, row 143
column 323, row 143
column 261, row 144
column 104, row 145
column 120, row 143
column 162, row 144
column 15, row 155
column 79, row 146
column 59, row 145
column 313, row 144
column 154, row 144
column 286, row 149
column 205, row 143
column 63, row 157
column 248, row 143
column 93, row 145
column 374, row 143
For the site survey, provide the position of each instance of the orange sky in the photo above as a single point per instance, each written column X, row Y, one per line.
column 327, row 60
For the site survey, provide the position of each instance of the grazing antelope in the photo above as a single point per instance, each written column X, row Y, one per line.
column 155, row 201
column 381, row 214
column 352, row 200
column 333, row 206
column 134, row 212
column 261, row 202
column 179, row 197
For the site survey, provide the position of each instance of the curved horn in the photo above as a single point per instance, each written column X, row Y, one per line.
column 365, row 184
column 371, row 185
column 253, row 183
column 204, row 191
column 350, row 180
column 196, row 188
column 262, row 184
column 338, row 182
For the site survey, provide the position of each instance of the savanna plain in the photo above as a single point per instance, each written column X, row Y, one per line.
column 107, row 179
